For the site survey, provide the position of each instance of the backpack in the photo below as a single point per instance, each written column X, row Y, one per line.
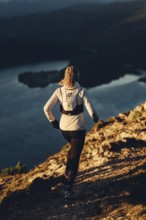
column 69, row 105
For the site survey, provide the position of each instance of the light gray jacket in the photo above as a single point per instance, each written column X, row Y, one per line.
column 70, row 122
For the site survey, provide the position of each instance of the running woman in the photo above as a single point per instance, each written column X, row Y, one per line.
column 72, row 98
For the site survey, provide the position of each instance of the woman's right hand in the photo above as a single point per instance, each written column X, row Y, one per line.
column 55, row 124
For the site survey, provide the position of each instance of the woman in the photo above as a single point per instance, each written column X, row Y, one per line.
column 72, row 97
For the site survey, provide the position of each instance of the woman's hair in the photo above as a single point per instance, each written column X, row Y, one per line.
column 70, row 76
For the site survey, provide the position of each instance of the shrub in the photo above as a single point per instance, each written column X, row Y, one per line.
column 18, row 169
column 136, row 115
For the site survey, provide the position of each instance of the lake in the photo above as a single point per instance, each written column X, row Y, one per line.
column 25, row 133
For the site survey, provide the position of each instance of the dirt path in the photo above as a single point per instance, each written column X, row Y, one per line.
column 111, row 184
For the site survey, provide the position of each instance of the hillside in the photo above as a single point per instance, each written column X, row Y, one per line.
column 103, row 40
column 110, row 184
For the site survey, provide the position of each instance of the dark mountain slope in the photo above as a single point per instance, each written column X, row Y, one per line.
column 98, row 38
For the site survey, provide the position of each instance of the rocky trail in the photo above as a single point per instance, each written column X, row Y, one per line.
column 111, row 184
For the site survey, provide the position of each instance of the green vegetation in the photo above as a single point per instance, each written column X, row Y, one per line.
column 136, row 115
column 18, row 169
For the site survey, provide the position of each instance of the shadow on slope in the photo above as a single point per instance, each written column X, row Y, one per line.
column 100, row 190
column 129, row 143
column 37, row 197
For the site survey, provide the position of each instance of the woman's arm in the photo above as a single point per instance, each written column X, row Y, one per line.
column 49, row 105
column 89, row 106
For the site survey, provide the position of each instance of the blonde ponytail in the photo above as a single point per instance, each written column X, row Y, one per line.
column 71, row 75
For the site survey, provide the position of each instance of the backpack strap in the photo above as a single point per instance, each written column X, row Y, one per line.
column 78, row 95
column 78, row 109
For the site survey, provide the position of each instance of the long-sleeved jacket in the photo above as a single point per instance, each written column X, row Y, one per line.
column 70, row 122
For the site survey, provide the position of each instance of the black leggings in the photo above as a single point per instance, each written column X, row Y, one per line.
column 76, row 140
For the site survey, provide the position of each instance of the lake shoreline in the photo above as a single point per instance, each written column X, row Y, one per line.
column 95, row 70
column 44, row 78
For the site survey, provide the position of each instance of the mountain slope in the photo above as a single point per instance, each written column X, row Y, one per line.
column 100, row 39
column 110, row 184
